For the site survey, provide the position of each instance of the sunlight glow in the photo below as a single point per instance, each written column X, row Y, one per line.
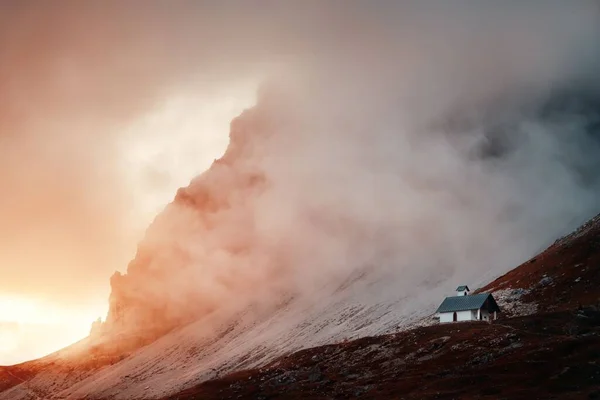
column 179, row 141
column 31, row 328
column 160, row 151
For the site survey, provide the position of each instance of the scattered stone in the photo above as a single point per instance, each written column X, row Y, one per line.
column 511, row 304
column 482, row 359
column 545, row 281
column 513, row 337
column 314, row 377
column 362, row 390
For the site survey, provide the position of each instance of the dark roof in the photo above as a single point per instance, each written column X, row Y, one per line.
column 462, row 288
column 470, row 302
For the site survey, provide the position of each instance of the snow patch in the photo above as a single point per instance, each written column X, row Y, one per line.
column 511, row 303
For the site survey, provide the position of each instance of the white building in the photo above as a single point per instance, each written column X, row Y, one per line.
column 467, row 307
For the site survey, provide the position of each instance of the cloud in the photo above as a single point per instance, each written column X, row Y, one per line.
column 418, row 137
column 419, row 141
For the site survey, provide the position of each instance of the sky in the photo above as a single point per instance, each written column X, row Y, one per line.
column 91, row 150
column 55, row 265
column 106, row 108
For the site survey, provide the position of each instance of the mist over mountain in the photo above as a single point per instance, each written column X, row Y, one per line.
column 395, row 151
column 326, row 182
column 414, row 86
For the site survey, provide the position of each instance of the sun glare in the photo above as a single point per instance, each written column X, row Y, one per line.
column 32, row 328
column 23, row 311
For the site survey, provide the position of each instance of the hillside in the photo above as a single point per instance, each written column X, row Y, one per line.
column 553, row 351
column 542, row 356
column 550, row 312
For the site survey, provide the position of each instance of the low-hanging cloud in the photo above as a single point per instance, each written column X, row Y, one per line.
column 428, row 142
column 427, row 139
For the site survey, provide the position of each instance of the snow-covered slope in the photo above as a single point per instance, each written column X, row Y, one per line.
column 193, row 354
column 210, row 346
column 364, row 305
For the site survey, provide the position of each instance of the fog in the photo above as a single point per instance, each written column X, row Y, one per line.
column 433, row 141
column 429, row 145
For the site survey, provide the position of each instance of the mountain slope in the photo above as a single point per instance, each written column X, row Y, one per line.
column 295, row 239
column 543, row 356
column 544, row 326
column 320, row 225
column 551, row 352
column 564, row 276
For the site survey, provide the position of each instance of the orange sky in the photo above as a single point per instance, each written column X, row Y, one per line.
column 105, row 110
column 61, row 242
